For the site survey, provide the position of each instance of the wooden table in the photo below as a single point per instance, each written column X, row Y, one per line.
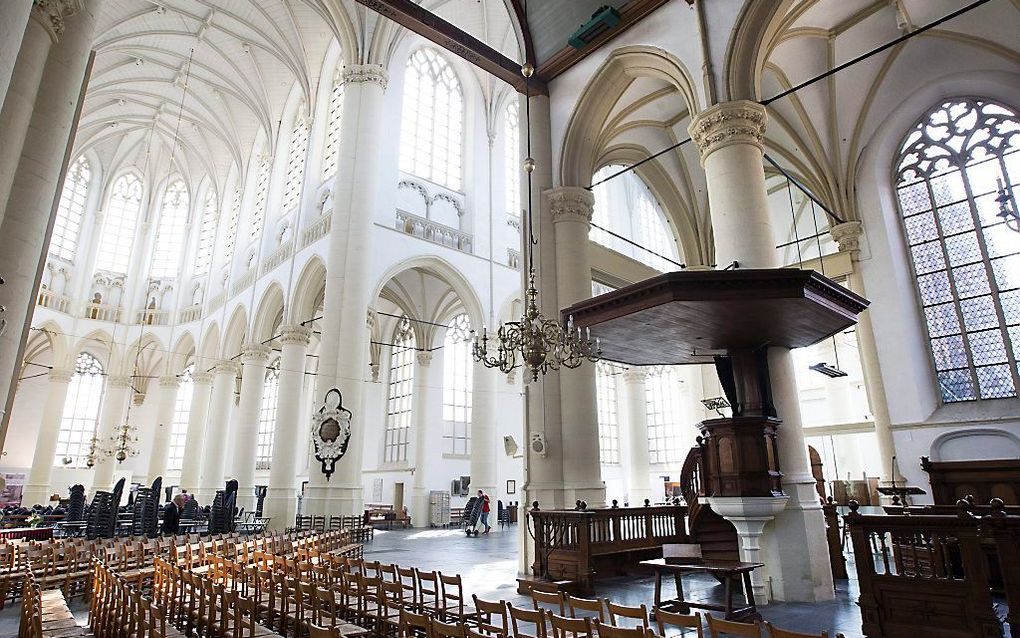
column 728, row 571
column 27, row 533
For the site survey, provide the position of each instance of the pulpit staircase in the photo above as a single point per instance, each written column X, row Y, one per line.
column 716, row 535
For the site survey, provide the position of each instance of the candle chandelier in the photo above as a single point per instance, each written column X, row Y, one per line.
column 535, row 342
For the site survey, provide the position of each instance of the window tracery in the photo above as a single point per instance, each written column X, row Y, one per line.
column 334, row 119
column 207, row 233
column 625, row 206
column 81, row 412
column 398, row 403
column 267, row 417
column 296, row 161
column 457, row 387
column 170, row 237
column 182, row 413
column 606, row 401
column 71, row 210
column 432, row 121
column 119, row 227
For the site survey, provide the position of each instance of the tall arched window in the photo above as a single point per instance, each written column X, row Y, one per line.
column 432, row 123
column 170, row 238
column 398, row 402
column 966, row 261
column 179, row 427
column 334, row 118
column 81, row 412
column 119, row 227
column 662, row 407
column 231, row 239
column 457, row 387
column 296, row 160
column 207, row 233
column 512, row 158
column 267, row 418
column 64, row 241
column 627, row 208
column 258, row 209
column 609, row 424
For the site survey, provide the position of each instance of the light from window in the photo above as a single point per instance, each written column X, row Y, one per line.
column 207, row 234
column 609, row 424
column 457, row 387
column 662, row 406
column 267, row 418
column 295, row 161
column 118, row 236
column 231, row 239
column 512, row 158
column 331, row 158
column 626, row 207
column 432, row 123
column 398, row 403
column 64, row 241
column 179, row 427
column 258, row 211
column 81, row 412
column 599, row 288
column 966, row 261
column 170, row 237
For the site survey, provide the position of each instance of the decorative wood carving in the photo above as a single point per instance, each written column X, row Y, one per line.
column 982, row 480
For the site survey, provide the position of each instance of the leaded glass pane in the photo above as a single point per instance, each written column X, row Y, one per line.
column 921, row 228
column 928, row 257
column 979, row 313
column 1001, row 241
column 949, row 352
column 956, row 218
column 962, row 249
column 956, row 385
column 942, row 320
column 996, row 382
column 935, row 288
column 914, row 198
column 948, row 188
column 987, row 347
column 431, row 138
column 970, row 281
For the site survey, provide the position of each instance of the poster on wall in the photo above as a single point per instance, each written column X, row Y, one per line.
column 14, row 485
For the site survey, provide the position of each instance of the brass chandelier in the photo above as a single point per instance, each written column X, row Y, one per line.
column 534, row 341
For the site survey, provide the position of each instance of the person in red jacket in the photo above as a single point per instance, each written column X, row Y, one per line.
column 485, row 510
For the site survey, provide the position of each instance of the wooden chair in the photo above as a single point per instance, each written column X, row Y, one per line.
column 314, row 631
column 595, row 606
column 473, row 633
column 563, row 627
column 453, row 607
column 413, row 625
column 391, row 604
column 409, row 583
column 440, row 629
column 776, row 632
column 429, row 593
column 719, row 627
column 553, row 600
column 672, row 619
column 609, row 631
column 535, row 617
column 639, row 613
column 488, row 613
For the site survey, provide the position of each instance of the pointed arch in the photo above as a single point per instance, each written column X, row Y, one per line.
column 268, row 313
column 308, row 291
column 235, row 333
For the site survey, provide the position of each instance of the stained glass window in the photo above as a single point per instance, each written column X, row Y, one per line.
column 64, row 241
column 626, row 207
column 432, row 122
column 965, row 259
column 179, row 427
column 457, row 382
column 331, row 157
column 81, row 412
column 170, row 237
column 118, row 235
column 398, row 403
column 267, row 418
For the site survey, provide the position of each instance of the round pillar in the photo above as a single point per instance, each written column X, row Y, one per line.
column 37, row 489
column 111, row 420
column 13, row 18
column 483, row 438
column 635, row 413
column 194, row 442
column 281, row 498
column 244, row 435
column 168, row 387
column 214, row 448
column 420, row 409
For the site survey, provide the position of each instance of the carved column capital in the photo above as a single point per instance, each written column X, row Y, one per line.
column 122, row 381
column 295, row 335
column 169, row 381
column 423, row 358
column 738, row 122
column 227, row 367
column 255, row 353
column 373, row 73
column 51, row 14
column 60, row 375
column 571, row 204
column 848, row 237
column 202, row 377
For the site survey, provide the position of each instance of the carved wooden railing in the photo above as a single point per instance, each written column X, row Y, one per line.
column 690, row 481
column 923, row 572
column 575, row 544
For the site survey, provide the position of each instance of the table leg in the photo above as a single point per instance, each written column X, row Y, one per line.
column 678, row 580
column 749, row 592
column 729, row 597
column 658, row 588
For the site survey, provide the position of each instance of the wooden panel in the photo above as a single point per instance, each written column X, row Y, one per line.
column 984, row 480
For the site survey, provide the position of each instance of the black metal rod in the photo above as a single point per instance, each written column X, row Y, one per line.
column 796, row 182
column 633, row 243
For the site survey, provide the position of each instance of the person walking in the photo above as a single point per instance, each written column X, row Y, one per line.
column 485, row 510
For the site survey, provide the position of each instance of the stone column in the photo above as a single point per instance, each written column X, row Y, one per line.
column 28, row 218
column 111, row 419
column 729, row 137
column 44, row 27
column 214, row 446
column 848, row 236
column 420, row 408
column 244, row 434
column 290, row 433
column 484, row 446
column 343, row 359
column 194, row 442
column 13, row 18
column 635, row 424
column 168, row 387
column 37, row 489
column 571, row 209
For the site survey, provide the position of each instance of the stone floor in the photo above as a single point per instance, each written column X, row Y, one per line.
column 488, row 565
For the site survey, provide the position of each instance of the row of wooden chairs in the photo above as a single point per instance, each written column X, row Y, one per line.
column 118, row 610
column 44, row 613
column 354, row 524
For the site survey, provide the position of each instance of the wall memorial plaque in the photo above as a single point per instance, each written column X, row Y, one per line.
column 331, row 431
